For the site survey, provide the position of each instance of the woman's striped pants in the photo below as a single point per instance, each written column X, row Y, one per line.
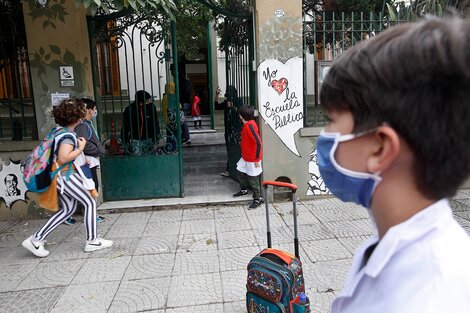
column 74, row 192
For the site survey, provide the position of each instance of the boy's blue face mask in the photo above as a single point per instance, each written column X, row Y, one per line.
column 346, row 185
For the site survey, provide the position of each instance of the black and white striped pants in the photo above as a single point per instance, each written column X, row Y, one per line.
column 74, row 192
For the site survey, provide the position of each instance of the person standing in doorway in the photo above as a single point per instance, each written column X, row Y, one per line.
column 93, row 148
column 196, row 111
column 232, row 123
column 249, row 167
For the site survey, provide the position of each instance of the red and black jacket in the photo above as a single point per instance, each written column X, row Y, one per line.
column 251, row 142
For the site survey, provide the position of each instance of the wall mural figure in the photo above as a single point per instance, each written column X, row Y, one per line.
column 316, row 186
column 12, row 187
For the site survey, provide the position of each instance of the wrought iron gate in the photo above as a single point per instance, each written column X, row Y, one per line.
column 138, row 116
column 238, row 47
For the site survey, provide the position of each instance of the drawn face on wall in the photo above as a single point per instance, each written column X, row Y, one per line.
column 11, row 184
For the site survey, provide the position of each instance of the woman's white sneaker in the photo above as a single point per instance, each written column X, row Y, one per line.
column 37, row 248
column 97, row 244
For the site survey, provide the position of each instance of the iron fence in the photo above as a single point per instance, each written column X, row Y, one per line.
column 325, row 37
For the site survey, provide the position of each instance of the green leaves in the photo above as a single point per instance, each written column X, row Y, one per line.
column 412, row 10
column 53, row 10
column 140, row 6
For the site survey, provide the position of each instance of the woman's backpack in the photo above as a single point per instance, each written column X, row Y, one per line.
column 38, row 172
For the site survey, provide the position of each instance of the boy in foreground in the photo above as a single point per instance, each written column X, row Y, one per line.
column 398, row 143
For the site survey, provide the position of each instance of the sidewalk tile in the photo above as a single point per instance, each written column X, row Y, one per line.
column 134, row 218
column 51, row 274
column 166, row 216
column 234, row 285
column 192, row 290
column 140, row 295
column 197, row 242
column 242, row 238
column 34, row 300
column 12, row 274
column 102, row 270
column 326, row 250
column 87, row 298
column 197, row 227
column 156, row 244
column 207, row 308
column 198, row 214
column 196, row 262
column 232, row 224
column 237, row 258
column 236, row 307
column 125, row 231
column 150, row 266
column 164, row 228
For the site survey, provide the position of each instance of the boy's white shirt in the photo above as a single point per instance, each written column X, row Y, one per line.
column 249, row 168
column 420, row 266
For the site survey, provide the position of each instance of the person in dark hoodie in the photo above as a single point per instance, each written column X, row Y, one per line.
column 140, row 129
column 93, row 148
column 232, row 123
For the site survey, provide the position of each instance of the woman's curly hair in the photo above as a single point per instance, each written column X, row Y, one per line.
column 69, row 111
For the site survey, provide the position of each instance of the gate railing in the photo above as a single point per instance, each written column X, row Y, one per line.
column 131, row 55
column 325, row 37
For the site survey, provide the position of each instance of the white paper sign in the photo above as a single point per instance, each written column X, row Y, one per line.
column 57, row 97
column 281, row 98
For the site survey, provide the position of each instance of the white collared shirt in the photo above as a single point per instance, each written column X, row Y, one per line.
column 420, row 266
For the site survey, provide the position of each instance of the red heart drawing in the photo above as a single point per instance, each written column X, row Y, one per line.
column 280, row 85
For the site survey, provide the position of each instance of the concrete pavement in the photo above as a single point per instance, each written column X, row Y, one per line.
column 181, row 260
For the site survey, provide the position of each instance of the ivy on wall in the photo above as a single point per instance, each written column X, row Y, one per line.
column 51, row 58
column 54, row 58
column 52, row 11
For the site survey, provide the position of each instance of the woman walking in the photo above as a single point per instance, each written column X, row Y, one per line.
column 67, row 188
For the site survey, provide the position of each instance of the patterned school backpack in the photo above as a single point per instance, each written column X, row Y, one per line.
column 38, row 172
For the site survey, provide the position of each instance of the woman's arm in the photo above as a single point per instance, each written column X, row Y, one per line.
column 67, row 153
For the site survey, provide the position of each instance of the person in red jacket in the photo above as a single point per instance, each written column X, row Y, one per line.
column 195, row 111
column 249, row 167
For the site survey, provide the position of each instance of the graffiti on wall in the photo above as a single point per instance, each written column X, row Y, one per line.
column 281, row 38
column 12, row 187
column 316, row 186
column 281, row 98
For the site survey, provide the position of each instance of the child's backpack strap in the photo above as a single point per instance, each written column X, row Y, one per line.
column 62, row 134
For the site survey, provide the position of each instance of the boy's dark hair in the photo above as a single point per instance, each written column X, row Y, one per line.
column 141, row 96
column 247, row 112
column 416, row 78
column 68, row 112
column 90, row 104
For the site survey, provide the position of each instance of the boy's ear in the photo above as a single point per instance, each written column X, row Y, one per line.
column 385, row 149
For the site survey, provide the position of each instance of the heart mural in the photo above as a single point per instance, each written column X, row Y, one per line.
column 280, row 85
column 281, row 98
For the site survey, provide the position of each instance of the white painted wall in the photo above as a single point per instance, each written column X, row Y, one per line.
column 137, row 72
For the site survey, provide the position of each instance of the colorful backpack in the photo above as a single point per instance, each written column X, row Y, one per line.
column 38, row 172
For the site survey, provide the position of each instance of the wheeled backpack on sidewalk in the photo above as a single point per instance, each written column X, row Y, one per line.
column 275, row 278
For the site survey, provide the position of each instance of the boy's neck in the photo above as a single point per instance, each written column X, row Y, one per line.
column 394, row 203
